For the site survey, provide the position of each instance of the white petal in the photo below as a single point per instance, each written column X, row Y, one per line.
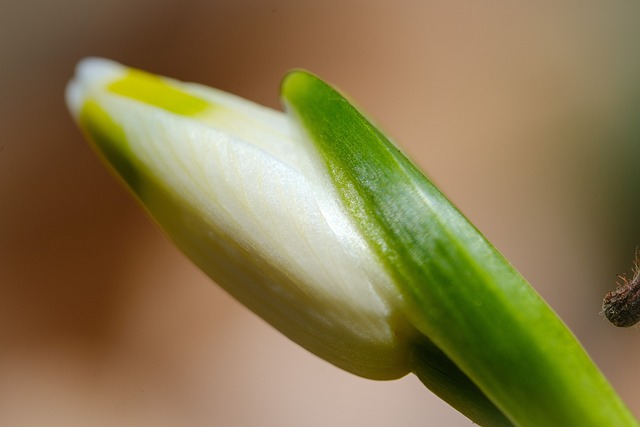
column 228, row 186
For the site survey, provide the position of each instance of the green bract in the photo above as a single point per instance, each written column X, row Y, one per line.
column 320, row 225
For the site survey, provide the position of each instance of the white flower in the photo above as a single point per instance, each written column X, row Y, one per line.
column 230, row 183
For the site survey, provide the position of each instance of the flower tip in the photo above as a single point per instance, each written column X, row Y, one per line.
column 90, row 74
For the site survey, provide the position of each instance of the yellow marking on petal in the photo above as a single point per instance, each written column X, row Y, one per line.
column 154, row 90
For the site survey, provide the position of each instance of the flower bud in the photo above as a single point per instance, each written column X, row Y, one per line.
column 314, row 220
column 223, row 177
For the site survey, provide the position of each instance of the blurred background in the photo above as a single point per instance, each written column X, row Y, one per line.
column 527, row 116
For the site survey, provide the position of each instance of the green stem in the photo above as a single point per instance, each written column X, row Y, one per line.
column 440, row 375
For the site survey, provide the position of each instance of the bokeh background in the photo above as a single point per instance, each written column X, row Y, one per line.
column 526, row 115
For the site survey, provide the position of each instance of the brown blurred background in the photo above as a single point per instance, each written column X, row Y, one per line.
column 526, row 116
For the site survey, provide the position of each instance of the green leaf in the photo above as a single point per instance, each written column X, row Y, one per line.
column 452, row 285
